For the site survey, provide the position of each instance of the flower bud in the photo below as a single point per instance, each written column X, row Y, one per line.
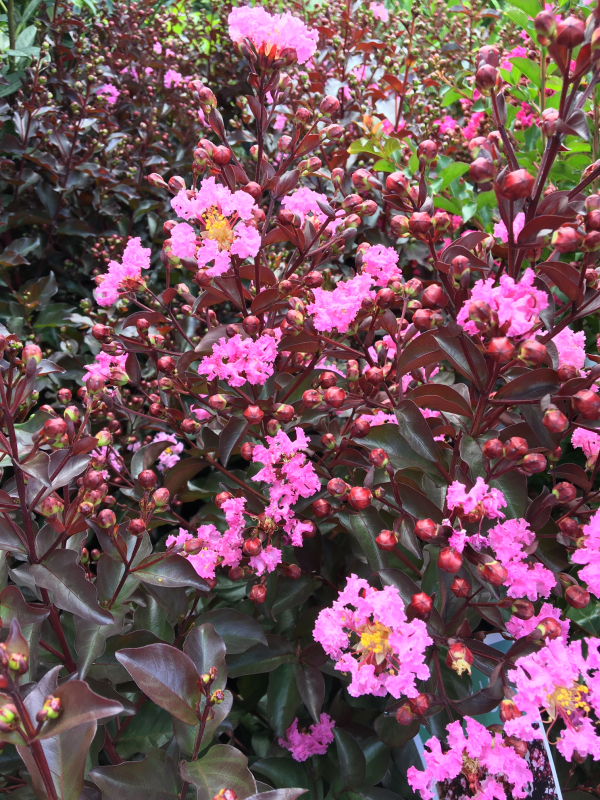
column 54, row 428
column 545, row 27
column 570, row 32
column 554, row 420
column 9, row 718
column 548, row 628
column 335, row 397
column 425, row 319
column 147, row 479
column 518, row 185
column 136, row 527
column 488, row 54
column 404, row 715
column 567, row 372
column 193, row 546
column 154, row 179
column 247, row 451
column 591, row 244
column 493, row 572
column 358, row 429
column 218, row 402
column 258, row 593
column 485, row 78
column 337, row 487
column 460, row 587
column 329, row 105
column 501, row 350
column 493, row 448
column 283, row 412
column 360, row 498
column 566, row 239
column 532, row 352
column 482, row 170
column 253, row 415
column 221, row 155
column 311, row 398
column 397, row 183
column 459, row 658
column 515, row 448
column 419, row 607
column 399, row 226
column 587, row 404
column 419, row 223
column 441, row 221
column 509, row 710
column 321, row 508
column 364, row 181
column 577, row 597
column 252, row 547
column 532, row 464
column 426, row 529
column 387, row 540
column 107, row 518
column 449, row 560
column 434, row 297
column 427, row 151
column 378, row 458
column 550, row 117
column 221, row 498
column 522, row 609
column 313, row 280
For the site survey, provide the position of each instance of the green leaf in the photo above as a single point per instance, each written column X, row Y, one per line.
column 230, row 436
column 448, row 205
column 283, row 698
column 170, row 572
column 223, row 767
column 450, row 97
column 284, row 773
column 414, row 428
column 486, row 199
column 531, row 7
column 150, row 727
column 514, row 487
column 353, row 765
column 587, row 618
column 261, row 658
column 365, row 527
column 449, row 174
column 311, row 686
column 531, row 69
column 154, row 778
column 206, row 649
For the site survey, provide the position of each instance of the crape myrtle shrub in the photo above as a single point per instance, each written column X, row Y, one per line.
column 263, row 508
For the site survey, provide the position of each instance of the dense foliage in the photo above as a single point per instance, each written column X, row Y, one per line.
column 310, row 475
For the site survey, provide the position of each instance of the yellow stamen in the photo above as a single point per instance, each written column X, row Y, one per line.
column 218, row 228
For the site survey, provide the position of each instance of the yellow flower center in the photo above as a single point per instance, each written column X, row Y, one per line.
column 168, row 451
column 373, row 642
column 218, row 228
column 571, row 704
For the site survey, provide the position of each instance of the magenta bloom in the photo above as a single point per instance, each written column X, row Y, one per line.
column 314, row 742
column 446, row 124
column 560, row 681
column 272, row 32
column 266, row 561
column 571, row 348
column 238, row 360
column 589, row 443
column 495, row 763
column 589, row 555
column 223, row 216
column 379, row 11
column 501, row 231
column 480, row 499
column 123, row 277
column 509, row 540
column 523, row 627
column 169, row 457
column 304, row 203
column 471, row 130
column 109, row 91
column 338, row 309
column 381, row 263
column 110, row 368
column 172, row 78
column 518, row 305
column 183, row 240
column 389, row 654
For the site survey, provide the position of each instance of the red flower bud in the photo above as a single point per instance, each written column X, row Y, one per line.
column 493, row 448
column 386, row 540
column 327, row 380
column 161, row 497
column 501, row 350
column 482, row 170
column 218, row 402
column 587, row 404
column 434, row 297
column 107, row 518
column 337, row 487
column 554, row 420
column 493, row 572
column 252, row 547
column 251, row 325
column 321, row 508
column 577, row 597
column 374, row 375
column 548, row 628
column 515, row 448
column 221, row 498
column 147, row 479
column 246, row 451
column 419, row 607
column 545, row 26
column 426, row 529
column 397, row 183
column 570, row 32
column 378, row 458
column 488, row 54
column 427, row 150
column 564, row 492
column 311, row 398
column 284, row 412
column 567, row 372
column 221, row 155
column 419, row 705
column 385, row 298
column 566, row 239
column 329, row 105
column 358, row 429
column 136, row 527
column 532, row 464
column 192, row 547
column 313, row 280
column 450, row 560
column 550, row 117
column 258, row 593
column 518, row 185
column 569, row 526
column 419, row 223
column 253, row 415
column 460, row 587
column 459, row 658
column 404, row 715
column 424, row 319
column 522, row 609
column 360, row 498
column 509, row 710
column 485, row 78
column 532, row 352
column 334, row 397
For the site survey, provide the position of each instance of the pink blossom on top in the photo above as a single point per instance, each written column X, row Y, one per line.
column 125, row 276
column 273, row 32
column 183, row 240
column 148, row 70
column 447, row 124
column 179, row 540
column 589, row 555
column 280, row 122
column 238, row 360
column 266, row 561
column 389, row 654
column 479, row 498
column 471, row 130
column 381, row 263
column 157, row 47
column 498, row 762
column 172, row 78
column 509, row 540
column 519, row 50
column 314, row 742
column 304, row 204
column 223, row 215
column 109, row 91
column 525, row 115
column 170, row 456
column 501, row 231
column 523, row 627
column 518, row 305
column 571, row 348
column 108, row 367
column 379, row 11
column 338, row 308
column 555, row 679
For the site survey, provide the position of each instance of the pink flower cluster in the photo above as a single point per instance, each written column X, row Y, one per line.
column 381, row 263
column 518, row 305
column 523, row 627
column 314, row 742
column 589, row 555
column 501, row 231
column 559, row 680
column 218, row 549
column 481, row 756
column 223, row 215
column 509, row 540
column 338, row 309
column 447, row 124
column 125, row 276
column 519, row 50
column 525, row 115
column 304, row 203
column 238, row 360
column 170, row 456
column 272, row 32
column 571, row 348
column 389, row 655
column 589, row 443
column 471, row 130
column 290, row 476
column 478, row 499
column 172, row 78
column 379, row 11
column 108, row 367
column 109, row 91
